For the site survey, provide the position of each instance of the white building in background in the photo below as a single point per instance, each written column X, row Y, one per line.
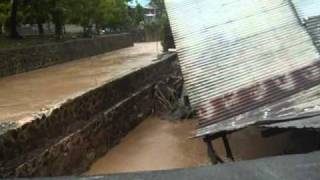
column 151, row 13
column 28, row 29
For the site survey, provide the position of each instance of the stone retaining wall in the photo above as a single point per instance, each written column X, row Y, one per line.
column 68, row 140
column 74, row 153
column 26, row 59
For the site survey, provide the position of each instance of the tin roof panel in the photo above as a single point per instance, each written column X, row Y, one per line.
column 230, row 50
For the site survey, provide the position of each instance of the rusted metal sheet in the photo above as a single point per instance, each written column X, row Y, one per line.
column 238, row 55
column 301, row 110
column 305, row 123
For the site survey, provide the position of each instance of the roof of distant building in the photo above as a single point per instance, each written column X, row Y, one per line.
column 150, row 6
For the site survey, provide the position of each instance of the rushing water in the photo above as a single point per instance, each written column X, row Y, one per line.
column 23, row 95
column 160, row 144
column 154, row 145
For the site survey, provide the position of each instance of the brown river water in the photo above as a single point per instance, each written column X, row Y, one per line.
column 154, row 145
column 24, row 95
column 161, row 145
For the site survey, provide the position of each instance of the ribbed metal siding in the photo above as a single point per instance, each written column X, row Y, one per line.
column 300, row 110
column 230, row 50
column 313, row 26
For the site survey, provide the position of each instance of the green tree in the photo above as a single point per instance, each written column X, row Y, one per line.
column 167, row 40
column 87, row 13
column 117, row 15
column 58, row 11
column 37, row 12
column 138, row 14
column 84, row 13
column 101, row 13
column 160, row 5
column 4, row 14
column 14, row 19
column 165, row 29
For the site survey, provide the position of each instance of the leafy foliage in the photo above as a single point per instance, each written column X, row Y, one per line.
column 4, row 12
column 102, row 13
column 98, row 15
column 86, row 13
column 36, row 12
column 161, row 27
column 138, row 14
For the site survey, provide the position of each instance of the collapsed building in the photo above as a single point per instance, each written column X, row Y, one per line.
column 249, row 63
column 245, row 63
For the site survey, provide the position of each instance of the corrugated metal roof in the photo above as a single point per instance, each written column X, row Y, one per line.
column 313, row 27
column 306, row 123
column 306, row 8
column 301, row 110
column 237, row 55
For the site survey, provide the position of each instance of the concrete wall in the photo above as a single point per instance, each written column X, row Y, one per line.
column 81, row 130
column 26, row 59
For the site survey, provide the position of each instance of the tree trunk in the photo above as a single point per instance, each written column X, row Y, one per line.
column 87, row 31
column 40, row 28
column 97, row 29
column 58, row 27
column 57, row 18
column 13, row 20
column 1, row 31
column 83, row 30
column 49, row 27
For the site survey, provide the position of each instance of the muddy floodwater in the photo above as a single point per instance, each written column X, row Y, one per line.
column 23, row 95
column 154, row 145
column 161, row 145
